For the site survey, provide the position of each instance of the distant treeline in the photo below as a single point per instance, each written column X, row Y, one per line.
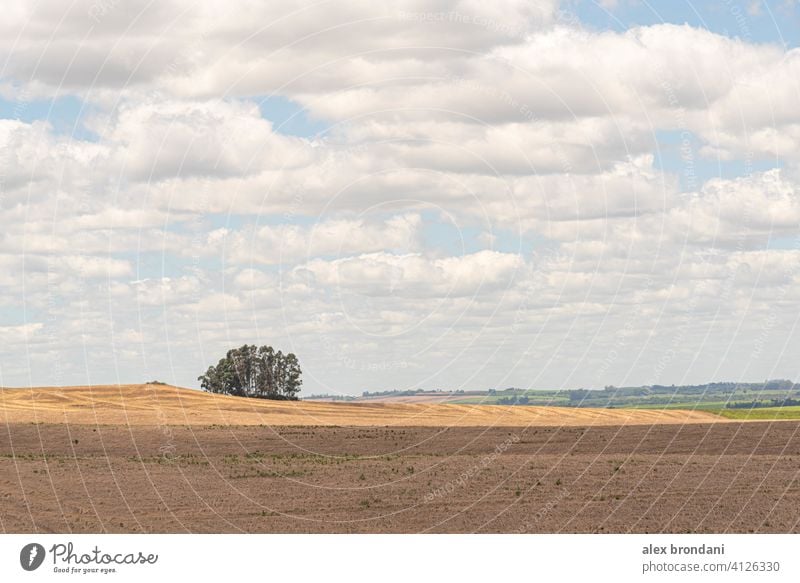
column 769, row 385
column 520, row 400
column 609, row 391
column 328, row 397
column 770, row 393
column 410, row 393
column 770, row 403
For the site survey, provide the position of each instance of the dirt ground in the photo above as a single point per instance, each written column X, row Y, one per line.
column 722, row 477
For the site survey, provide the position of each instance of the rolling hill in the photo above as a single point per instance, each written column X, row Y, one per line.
column 167, row 405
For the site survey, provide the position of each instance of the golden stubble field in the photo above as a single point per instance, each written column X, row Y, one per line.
column 167, row 405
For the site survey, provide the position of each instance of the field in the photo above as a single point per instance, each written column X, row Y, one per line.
column 761, row 413
column 160, row 459
column 162, row 404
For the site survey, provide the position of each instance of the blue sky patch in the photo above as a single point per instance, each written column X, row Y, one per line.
column 768, row 21
column 66, row 114
column 678, row 153
column 289, row 118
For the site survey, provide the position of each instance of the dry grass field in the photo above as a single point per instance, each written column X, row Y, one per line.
column 166, row 405
column 152, row 458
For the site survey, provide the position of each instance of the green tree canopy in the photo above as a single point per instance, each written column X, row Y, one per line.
column 251, row 371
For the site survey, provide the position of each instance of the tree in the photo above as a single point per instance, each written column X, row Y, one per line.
column 258, row 372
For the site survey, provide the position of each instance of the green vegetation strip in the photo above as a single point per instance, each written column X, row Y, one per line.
column 760, row 413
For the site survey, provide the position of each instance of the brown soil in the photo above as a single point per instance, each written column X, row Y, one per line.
column 722, row 477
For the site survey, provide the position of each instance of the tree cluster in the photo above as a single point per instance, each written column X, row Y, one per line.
column 767, row 403
column 251, row 371
column 514, row 400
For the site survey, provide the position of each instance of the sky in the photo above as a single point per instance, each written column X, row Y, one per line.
column 438, row 195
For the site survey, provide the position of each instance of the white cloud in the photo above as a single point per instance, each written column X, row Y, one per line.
column 172, row 139
column 742, row 210
column 282, row 244
column 163, row 291
column 204, row 47
column 85, row 266
column 412, row 275
column 20, row 333
column 489, row 167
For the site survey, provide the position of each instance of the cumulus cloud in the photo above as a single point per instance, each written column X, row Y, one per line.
column 484, row 168
column 22, row 332
column 752, row 208
column 412, row 275
column 84, row 266
column 208, row 139
column 202, row 48
column 288, row 244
